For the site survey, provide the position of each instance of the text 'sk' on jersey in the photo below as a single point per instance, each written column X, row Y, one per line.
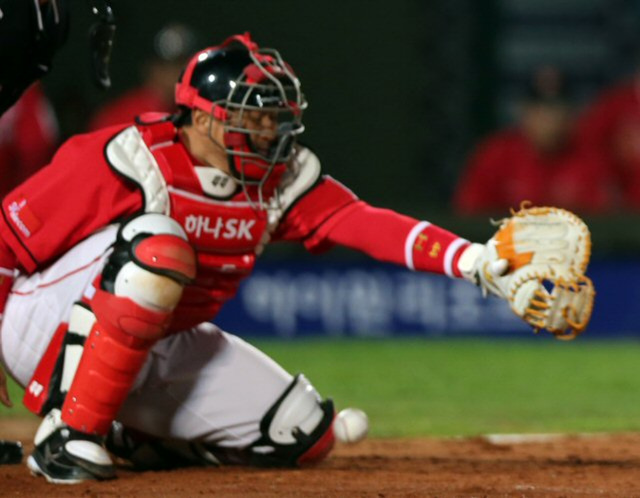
column 102, row 177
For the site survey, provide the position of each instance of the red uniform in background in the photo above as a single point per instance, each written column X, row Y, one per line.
column 539, row 159
column 28, row 137
column 130, row 105
column 610, row 129
column 506, row 169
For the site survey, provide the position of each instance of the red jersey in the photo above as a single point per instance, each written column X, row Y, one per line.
column 610, row 129
column 28, row 137
column 99, row 178
column 506, row 170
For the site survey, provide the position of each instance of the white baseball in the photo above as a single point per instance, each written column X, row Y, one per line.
column 351, row 425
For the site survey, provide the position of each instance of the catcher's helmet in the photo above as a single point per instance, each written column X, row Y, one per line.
column 237, row 77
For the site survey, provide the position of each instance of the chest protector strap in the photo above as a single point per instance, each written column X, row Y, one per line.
column 130, row 155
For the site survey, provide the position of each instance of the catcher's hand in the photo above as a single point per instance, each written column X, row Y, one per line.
column 537, row 261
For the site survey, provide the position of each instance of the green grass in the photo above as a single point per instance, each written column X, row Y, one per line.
column 423, row 387
column 18, row 410
column 449, row 387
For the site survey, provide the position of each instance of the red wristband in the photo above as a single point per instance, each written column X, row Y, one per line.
column 431, row 248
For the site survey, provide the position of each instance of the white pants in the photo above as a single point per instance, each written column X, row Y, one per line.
column 201, row 384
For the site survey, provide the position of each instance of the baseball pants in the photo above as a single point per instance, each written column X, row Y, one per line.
column 202, row 383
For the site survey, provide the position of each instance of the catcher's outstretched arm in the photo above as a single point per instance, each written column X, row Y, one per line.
column 395, row 238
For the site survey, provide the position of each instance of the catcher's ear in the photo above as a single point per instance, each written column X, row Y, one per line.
column 201, row 120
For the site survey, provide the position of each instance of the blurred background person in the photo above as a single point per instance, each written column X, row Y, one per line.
column 609, row 129
column 537, row 159
column 28, row 138
column 172, row 46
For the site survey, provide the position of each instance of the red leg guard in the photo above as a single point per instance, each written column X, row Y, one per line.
column 123, row 317
column 113, row 355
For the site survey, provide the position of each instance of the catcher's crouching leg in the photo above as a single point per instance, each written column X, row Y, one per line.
column 297, row 430
column 133, row 303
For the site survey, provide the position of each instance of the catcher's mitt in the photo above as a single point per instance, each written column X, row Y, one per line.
column 537, row 261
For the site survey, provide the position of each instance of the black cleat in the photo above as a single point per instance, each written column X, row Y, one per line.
column 10, row 452
column 147, row 452
column 66, row 456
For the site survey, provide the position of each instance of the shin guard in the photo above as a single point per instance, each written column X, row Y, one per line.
column 113, row 355
column 133, row 303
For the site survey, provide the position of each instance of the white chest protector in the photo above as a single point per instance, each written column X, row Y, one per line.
column 204, row 200
column 226, row 230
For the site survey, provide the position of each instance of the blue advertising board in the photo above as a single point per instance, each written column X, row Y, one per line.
column 298, row 299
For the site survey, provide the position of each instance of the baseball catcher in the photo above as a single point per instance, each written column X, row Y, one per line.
column 116, row 258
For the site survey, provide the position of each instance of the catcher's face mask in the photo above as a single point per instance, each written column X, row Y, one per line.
column 257, row 98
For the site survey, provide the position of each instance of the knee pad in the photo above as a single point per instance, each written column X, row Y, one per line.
column 151, row 262
column 296, row 430
column 143, row 279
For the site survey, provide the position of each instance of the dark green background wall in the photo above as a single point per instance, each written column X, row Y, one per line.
column 393, row 86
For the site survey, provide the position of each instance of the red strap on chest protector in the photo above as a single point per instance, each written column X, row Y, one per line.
column 174, row 160
column 156, row 132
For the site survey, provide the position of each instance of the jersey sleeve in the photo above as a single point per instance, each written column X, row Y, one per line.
column 72, row 197
column 311, row 210
column 330, row 214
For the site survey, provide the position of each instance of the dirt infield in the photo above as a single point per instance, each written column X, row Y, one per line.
column 582, row 466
